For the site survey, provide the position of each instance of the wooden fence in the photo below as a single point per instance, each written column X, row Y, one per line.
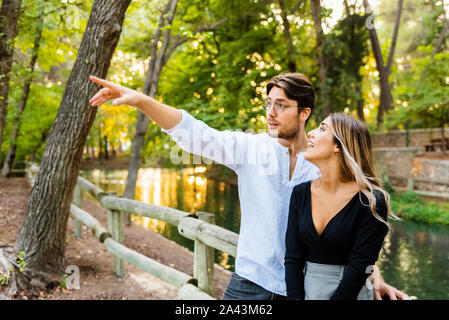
column 199, row 227
column 411, row 187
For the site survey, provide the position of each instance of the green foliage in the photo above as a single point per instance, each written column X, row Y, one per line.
column 219, row 74
column 63, row 23
column 3, row 278
column 21, row 260
column 423, row 103
column 420, row 92
column 410, row 206
column 410, row 197
column 345, row 49
column 63, row 284
column 387, row 186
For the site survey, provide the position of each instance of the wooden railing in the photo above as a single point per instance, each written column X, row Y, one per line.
column 411, row 187
column 198, row 227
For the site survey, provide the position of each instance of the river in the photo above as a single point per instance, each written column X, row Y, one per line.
column 414, row 259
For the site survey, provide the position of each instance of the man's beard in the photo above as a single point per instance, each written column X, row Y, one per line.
column 285, row 134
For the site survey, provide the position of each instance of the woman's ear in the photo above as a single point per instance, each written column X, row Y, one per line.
column 336, row 148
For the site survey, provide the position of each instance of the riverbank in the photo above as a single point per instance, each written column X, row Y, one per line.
column 97, row 281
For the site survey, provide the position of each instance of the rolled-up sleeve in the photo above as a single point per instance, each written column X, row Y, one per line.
column 196, row 137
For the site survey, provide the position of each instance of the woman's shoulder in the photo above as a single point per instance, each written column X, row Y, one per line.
column 302, row 187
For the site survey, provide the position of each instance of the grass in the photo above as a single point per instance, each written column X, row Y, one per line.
column 410, row 206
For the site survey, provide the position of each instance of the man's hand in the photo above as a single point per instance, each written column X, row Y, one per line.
column 387, row 290
column 163, row 115
column 382, row 289
column 120, row 94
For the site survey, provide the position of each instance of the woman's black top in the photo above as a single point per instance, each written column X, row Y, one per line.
column 353, row 237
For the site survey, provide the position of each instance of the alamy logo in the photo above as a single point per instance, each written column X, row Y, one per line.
column 369, row 23
column 72, row 281
column 73, row 17
column 372, row 282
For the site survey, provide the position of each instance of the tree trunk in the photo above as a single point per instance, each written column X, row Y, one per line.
column 100, row 143
column 91, row 153
column 158, row 60
column 395, row 36
column 290, row 48
column 9, row 16
column 11, row 154
column 324, row 91
column 43, row 234
column 150, row 88
column 444, row 145
column 386, row 100
column 106, row 151
column 360, row 103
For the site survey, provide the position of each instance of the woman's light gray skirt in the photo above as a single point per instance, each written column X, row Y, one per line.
column 321, row 281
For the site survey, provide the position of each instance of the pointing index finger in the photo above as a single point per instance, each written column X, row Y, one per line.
column 102, row 82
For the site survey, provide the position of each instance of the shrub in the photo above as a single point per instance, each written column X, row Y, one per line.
column 410, row 206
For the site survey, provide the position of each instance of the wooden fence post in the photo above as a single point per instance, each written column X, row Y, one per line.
column 203, row 263
column 410, row 185
column 115, row 226
column 78, row 200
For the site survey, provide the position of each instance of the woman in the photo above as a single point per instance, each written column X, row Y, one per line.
column 338, row 222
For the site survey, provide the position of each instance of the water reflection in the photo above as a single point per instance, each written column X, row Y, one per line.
column 414, row 259
column 186, row 189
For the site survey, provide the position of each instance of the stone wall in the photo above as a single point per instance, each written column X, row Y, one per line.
column 396, row 162
column 397, row 138
column 399, row 164
column 436, row 171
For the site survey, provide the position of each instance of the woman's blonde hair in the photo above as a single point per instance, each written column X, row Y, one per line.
column 357, row 160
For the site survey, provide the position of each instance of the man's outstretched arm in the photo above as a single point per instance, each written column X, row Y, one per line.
column 165, row 116
column 192, row 135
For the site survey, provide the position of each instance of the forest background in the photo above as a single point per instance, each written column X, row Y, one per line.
column 219, row 55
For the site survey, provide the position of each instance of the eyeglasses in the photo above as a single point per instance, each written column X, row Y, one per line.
column 278, row 107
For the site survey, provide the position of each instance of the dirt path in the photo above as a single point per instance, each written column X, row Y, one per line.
column 97, row 281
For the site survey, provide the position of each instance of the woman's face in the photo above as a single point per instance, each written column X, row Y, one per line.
column 320, row 144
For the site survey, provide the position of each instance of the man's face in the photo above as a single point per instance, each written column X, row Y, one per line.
column 282, row 115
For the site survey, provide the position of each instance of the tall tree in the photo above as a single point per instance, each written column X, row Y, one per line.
column 357, row 44
column 9, row 15
column 11, row 154
column 386, row 99
column 345, row 48
column 291, row 64
column 158, row 59
column 394, row 38
column 43, row 234
column 441, row 39
column 436, row 49
column 319, row 34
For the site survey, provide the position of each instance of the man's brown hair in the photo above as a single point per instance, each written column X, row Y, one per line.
column 296, row 87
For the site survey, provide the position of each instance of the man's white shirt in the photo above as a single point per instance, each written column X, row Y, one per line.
column 262, row 165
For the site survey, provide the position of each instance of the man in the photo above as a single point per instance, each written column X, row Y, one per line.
column 268, row 167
